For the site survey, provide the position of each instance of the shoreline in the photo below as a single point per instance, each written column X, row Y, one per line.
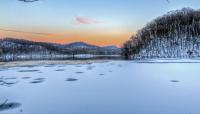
column 48, row 62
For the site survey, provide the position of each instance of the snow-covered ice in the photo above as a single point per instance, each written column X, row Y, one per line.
column 113, row 87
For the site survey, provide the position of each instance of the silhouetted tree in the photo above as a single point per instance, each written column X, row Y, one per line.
column 1, row 51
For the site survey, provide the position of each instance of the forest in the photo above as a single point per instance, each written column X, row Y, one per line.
column 173, row 35
column 19, row 49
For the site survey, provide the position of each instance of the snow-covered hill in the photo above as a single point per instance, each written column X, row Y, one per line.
column 173, row 35
column 79, row 45
column 84, row 48
column 16, row 48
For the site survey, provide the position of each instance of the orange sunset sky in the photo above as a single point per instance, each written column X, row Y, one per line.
column 99, row 22
column 90, row 36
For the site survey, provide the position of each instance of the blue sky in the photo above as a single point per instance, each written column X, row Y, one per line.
column 88, row 18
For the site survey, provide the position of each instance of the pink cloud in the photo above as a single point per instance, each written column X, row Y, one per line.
column 84, row 20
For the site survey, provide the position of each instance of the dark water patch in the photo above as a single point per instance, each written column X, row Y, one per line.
column 29, row 66
column 7, row 82
column 71, row 79
column 28, row 70
column 78, row 66
column 50, row 65
column 101, row 74
column 174, row 81
column 60, row 70
column 10, row 78
column 37, row 80
column 110, row 71
column 26, row 78
column 79, row 72
column 9, row 105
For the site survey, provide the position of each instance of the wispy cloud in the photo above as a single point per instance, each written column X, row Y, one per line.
column 85, row 20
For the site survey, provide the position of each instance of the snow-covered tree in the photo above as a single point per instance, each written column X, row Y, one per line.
column 174, row 35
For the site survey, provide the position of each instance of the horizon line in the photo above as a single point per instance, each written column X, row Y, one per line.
column 1, row 38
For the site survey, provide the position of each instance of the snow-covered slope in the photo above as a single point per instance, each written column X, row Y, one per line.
column 173, row 35
column 15, row 48
column 83, row 45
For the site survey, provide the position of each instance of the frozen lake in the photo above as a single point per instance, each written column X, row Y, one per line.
column 112, row 87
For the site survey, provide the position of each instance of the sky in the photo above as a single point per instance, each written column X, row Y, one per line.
column 99, row 22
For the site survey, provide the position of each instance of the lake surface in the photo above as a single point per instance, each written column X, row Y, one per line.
column 112, row 87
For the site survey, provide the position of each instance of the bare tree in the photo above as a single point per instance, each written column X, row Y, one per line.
column 174, row 35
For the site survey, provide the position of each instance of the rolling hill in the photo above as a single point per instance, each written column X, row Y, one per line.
column 11, row 48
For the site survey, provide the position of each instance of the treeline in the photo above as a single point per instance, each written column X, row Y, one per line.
column 19, row 49
column 174, row 35
column 19, row 46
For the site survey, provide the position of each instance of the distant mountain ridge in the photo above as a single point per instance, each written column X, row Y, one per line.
column 80, row 45
column 89, row 46
column 12, row 46
column 111, row 47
